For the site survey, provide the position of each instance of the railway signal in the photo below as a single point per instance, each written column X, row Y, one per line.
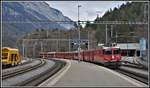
column 86, row 45
column 72, row 44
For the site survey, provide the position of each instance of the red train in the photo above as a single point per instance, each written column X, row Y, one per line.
column 108, row 56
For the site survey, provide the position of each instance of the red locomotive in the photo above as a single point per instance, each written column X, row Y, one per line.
column 109, row 56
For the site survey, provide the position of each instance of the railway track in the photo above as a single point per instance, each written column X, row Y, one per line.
column 13, row 73
column 21, row 64
column 36, row 79
column 135, row 75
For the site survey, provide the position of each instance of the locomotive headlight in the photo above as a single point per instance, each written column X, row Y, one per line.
column 113, row 57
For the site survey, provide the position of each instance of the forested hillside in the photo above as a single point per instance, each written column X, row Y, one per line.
column 129, row 12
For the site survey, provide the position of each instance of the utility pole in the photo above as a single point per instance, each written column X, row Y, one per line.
column 41, row 46
column 69, row 41
column 69, row 44
column 116, row 36
column 34, row 48
column 106, row 35
column 111, row 31
column 57, row 40
column 78, row 34
column 57, row 45
column 145, row 12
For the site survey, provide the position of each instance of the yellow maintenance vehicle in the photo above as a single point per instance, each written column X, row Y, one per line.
column 10, row 56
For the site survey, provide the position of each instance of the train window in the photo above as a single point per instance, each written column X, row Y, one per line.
column 117, row 51
column 4, row 55
column 108, row 52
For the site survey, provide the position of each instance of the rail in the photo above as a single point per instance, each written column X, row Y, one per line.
column 7, row 75
column 140, row 76
column 36, row 80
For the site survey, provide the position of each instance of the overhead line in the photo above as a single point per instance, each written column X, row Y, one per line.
column 81, row 22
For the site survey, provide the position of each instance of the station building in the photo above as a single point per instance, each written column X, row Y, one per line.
column 129, row 49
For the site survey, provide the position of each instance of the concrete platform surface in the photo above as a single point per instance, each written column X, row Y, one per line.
column 83, row 74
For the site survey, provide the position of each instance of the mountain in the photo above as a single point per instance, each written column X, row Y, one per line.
column 19, row 18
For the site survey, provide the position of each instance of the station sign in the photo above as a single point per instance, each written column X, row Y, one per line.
column 142, row 47
column 142, row 44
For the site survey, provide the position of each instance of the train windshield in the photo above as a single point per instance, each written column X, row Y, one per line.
column 117, row 51
column 4, row 55
column 108, row 52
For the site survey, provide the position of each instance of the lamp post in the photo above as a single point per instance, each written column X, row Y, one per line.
column 78, row 34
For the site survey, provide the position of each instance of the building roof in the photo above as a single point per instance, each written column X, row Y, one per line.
column 128, row 45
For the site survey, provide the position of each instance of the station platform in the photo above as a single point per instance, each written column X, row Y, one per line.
column 83, row 74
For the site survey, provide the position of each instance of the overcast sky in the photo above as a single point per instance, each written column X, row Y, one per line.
column 88, row 9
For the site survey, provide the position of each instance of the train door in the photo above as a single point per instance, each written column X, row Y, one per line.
column 92, row 59
column 83, row 56
column 90, row 56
